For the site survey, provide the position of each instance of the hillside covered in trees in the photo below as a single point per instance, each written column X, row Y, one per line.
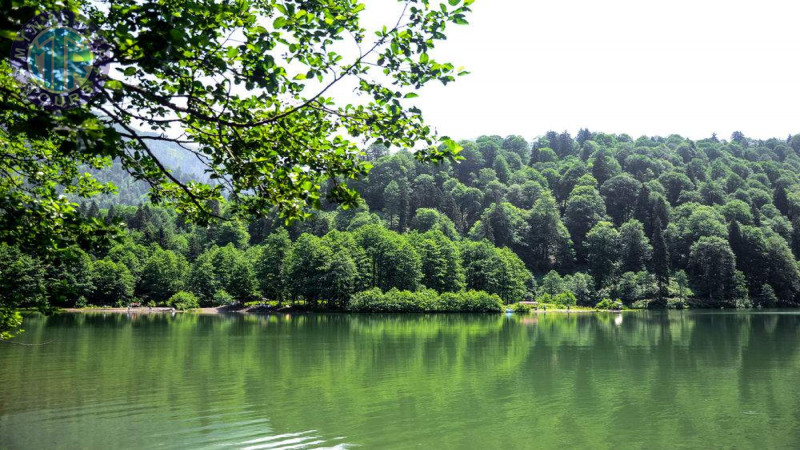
column 650, row 221
column 712, row 222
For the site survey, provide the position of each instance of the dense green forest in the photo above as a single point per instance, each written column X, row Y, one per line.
column 271, row 144
column 652, row 221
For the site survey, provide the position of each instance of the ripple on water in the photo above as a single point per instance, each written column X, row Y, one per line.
column 140, row 425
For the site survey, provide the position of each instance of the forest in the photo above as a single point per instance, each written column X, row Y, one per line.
column 654, row 222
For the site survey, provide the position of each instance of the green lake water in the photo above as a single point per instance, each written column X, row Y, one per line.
column 691, row 379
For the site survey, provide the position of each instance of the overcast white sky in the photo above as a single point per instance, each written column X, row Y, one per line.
column 622, row 66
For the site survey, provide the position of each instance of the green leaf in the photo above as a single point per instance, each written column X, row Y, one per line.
column 176, row 34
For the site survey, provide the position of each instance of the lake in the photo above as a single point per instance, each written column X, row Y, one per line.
column 691, row 379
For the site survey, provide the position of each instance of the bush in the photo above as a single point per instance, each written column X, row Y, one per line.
column 222, row 298
column 522, row 308
column 603, row 304
column 477, row 301
column 374, row 300
column 396, row 301
column 607, row 303
column 183, row 300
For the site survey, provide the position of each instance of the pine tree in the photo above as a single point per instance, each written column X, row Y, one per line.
column 583, row 135
column 140, row 219
column 660, row 265
column 641, row 211
column 111, row 216
column 796, row 236
column 756, row 216
column 564, row 145
column 659, row 215
column 781, row 200
column 552, row 140
column 736, row 241
column 163, row 238
column 94, row 211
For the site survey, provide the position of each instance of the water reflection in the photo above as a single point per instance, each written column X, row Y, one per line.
column 689, row 378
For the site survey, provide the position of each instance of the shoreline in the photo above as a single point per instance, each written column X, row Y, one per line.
column 168, row 310
column 260, row 310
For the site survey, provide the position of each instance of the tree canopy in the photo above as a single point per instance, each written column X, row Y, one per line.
column 243, row 90
column 243, row 87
